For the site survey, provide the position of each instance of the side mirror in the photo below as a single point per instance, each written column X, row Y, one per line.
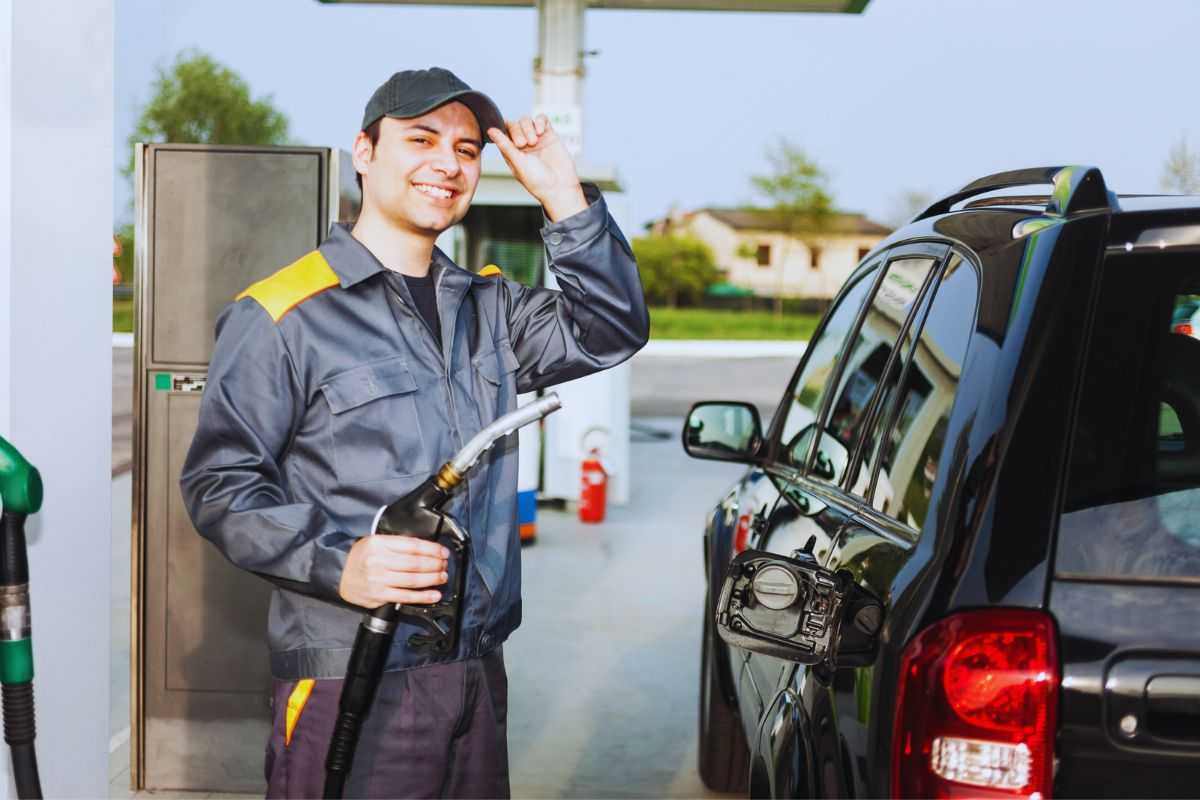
column 792, row 608
column 832, row 456
column 723, row 432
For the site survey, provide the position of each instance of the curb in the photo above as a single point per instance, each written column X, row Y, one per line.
column 722, row 348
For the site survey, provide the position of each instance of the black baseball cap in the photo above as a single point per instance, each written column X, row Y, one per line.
column 415, row 92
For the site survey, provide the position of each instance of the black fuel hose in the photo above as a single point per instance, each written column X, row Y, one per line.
column 417, row 514
column 16, row 656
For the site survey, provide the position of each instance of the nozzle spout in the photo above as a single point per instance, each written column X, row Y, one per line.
column 483, row 441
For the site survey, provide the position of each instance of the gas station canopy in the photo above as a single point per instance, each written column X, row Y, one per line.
column 783, row 6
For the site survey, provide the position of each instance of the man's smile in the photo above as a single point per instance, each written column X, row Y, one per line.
column 435, row 191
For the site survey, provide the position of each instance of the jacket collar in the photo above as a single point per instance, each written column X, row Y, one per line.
column 353, row 263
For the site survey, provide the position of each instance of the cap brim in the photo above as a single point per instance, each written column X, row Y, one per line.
column 485, row 111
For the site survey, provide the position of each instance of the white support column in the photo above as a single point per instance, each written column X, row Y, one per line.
column 56, row 157
column 558, row 69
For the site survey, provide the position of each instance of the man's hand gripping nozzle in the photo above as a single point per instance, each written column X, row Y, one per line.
column 420, row 514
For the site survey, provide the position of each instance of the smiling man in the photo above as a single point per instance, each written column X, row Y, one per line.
column 340, row 382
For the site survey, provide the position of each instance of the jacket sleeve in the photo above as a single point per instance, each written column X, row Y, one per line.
column 596, row 319
column 232, row 483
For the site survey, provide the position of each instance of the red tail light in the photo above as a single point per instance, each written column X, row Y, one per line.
column 741, row 534
column 1183, row 327
column 977, row 707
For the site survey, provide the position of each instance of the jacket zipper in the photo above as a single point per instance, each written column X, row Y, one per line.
column 437, row 285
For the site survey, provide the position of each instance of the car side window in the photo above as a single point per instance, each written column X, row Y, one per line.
column 906, row 452
column 871, row 356
column 807, row 390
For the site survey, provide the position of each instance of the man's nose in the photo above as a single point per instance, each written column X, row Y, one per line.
column 446, row 162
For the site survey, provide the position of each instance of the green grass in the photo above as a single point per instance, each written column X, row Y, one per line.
column 705, row 323
column 665, row 323
column 123, row 315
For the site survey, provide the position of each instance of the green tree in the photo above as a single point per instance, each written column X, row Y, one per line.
column 797, row 189
column 906, row 204
column 197, row 100
column 1181, row 171
column 124, row 262
column 200, row 101
column 675, row 269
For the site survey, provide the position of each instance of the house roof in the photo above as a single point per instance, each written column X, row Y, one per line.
column 765, row 219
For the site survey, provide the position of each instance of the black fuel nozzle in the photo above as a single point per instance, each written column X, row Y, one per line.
column 421, row 514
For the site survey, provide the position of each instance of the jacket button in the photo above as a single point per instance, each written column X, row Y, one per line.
column 555, row 238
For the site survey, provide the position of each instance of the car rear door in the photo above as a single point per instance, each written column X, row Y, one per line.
column 1126, row 584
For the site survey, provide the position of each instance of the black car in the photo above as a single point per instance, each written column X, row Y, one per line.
column 965, row 558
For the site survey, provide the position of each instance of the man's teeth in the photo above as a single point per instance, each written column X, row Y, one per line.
column 433, row 191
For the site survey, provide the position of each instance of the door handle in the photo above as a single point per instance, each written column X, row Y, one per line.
column 1173, row 707
column 1154, row 701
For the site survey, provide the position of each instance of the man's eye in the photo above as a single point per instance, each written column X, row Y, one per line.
column 419, row 140
column 468, row 152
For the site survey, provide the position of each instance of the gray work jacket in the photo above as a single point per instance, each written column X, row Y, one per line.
column 325, row 401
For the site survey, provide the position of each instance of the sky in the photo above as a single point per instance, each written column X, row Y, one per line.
column 911, row 95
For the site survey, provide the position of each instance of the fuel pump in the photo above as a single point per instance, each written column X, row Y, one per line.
column 21, row 493
column 420, row 514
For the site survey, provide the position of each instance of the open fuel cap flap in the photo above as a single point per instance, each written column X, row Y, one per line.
column 792, row 608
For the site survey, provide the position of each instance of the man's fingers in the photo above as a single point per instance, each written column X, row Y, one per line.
column 515, row 132
column 507, row 148
column 540, row 123
column 531, row 134
column 409, row 580
column 412, row 598
column 407, row 563
column 410, row 545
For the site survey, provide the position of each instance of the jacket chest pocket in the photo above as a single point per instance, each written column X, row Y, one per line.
column 495, row 381
column 374, row 422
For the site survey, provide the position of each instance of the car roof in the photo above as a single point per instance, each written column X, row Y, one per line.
column 997, row 210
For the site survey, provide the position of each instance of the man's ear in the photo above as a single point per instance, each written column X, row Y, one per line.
column 362, row 153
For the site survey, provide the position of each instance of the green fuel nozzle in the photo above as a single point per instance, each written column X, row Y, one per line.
column 20, row 482
column 21, row 494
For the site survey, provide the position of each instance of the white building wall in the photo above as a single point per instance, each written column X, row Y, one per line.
column 790, row 272
column 56, row 139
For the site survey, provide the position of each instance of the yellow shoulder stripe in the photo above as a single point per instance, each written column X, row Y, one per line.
column 295, row 705
column 292, row 285
column 489, row 271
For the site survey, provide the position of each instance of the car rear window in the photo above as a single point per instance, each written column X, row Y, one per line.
column 1132, row 508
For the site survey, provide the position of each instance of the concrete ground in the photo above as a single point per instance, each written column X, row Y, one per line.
column 603, row 672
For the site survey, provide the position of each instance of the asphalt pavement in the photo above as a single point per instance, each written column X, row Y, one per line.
column 604, row 670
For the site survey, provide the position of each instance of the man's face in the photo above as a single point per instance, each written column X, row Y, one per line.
column 423, row 171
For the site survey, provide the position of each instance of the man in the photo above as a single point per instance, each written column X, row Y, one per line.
column 341, row 382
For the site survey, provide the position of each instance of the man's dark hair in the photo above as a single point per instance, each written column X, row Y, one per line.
column 372, row 132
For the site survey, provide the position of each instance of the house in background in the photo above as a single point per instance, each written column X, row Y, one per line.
column 752, row 247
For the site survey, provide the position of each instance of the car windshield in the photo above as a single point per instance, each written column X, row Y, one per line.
column 1133, row 497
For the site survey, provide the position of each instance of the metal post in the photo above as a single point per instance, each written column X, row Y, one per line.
column 558, row 68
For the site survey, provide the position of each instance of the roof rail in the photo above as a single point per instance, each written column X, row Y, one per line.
column 1076, row 188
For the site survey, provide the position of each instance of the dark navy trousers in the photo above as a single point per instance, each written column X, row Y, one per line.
column 434, row 731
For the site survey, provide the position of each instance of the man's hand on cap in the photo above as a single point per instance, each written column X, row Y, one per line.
column 540, row 161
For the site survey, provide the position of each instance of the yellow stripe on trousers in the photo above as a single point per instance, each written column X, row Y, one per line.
column 295, row 706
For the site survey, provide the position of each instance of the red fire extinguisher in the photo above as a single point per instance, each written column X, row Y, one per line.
column 593, row 491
